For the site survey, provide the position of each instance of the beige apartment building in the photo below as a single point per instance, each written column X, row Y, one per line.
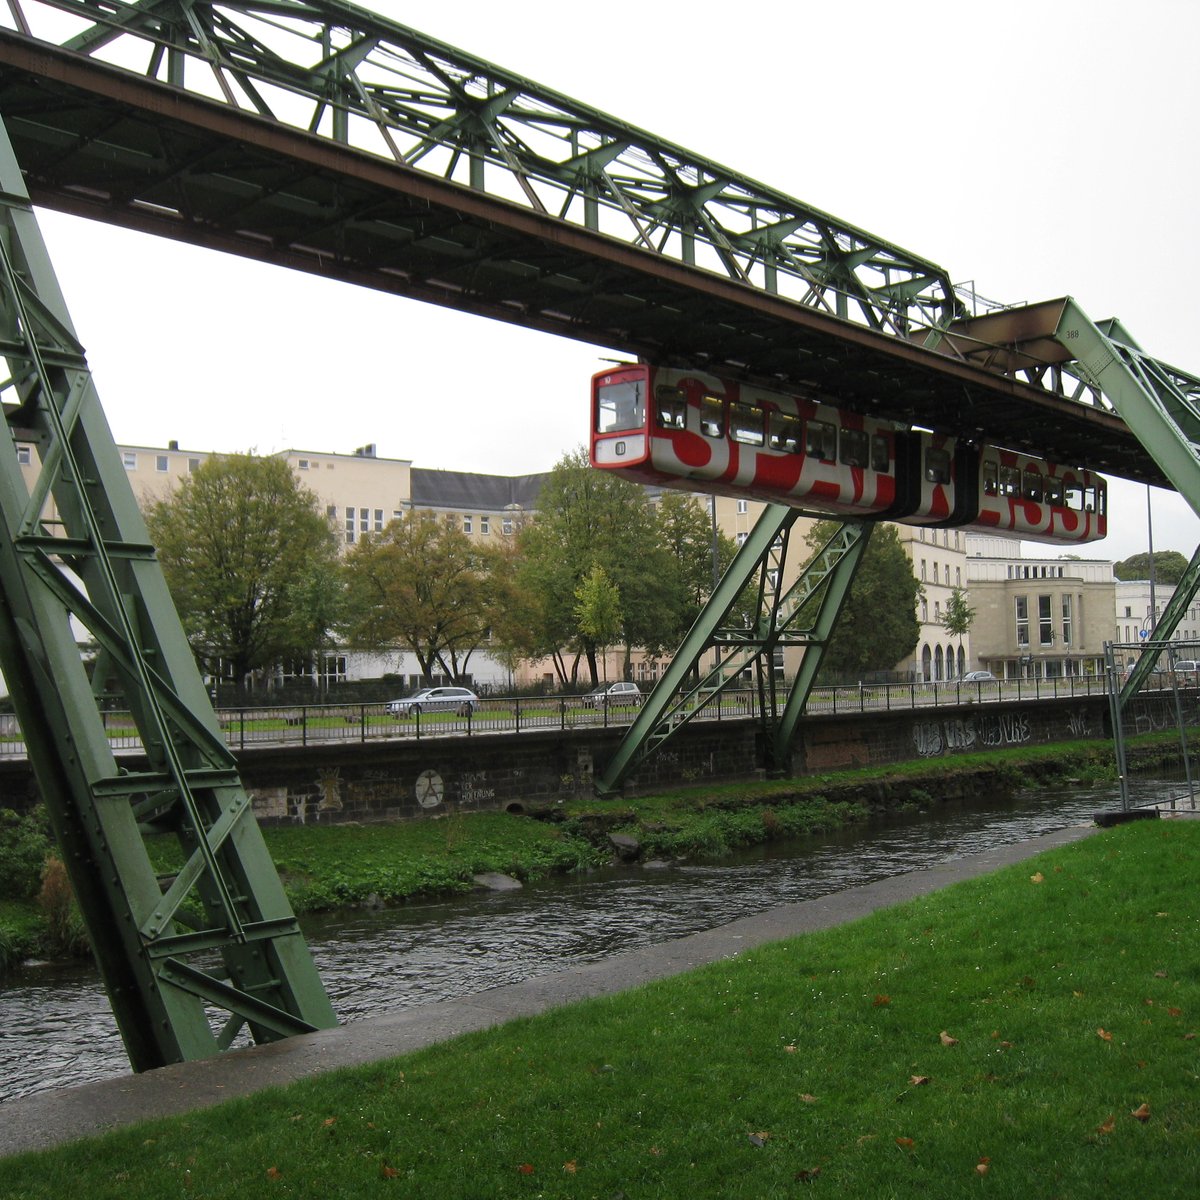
column 1038, row 618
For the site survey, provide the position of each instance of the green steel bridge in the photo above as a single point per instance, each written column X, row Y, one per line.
column 319, row 136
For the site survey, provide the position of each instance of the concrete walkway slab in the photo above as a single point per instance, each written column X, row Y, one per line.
column 51, row 1118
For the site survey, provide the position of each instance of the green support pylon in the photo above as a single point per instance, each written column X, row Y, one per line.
column 685, row 689
column 75, row 556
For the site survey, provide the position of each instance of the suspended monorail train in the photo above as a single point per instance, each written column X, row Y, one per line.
column 690, row 430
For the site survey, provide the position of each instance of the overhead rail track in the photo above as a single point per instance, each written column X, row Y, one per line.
column 317, row 135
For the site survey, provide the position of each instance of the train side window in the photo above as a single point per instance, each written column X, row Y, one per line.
column 783, row 432
column 712, row 416
column 820, row 440
column 937, row 465
column 672, row 407
column 881, row 458
column 854, row 446
column 747, row 424
column 1053, row 492
column 1031, row 485
column 1010, row 481
column 991, row 477
column 1074, row 496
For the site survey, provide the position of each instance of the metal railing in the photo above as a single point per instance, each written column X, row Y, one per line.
column 325, row 724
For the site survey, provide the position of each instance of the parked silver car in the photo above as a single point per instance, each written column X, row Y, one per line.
column 615, row 695
column 979, row 677
column 435, row 699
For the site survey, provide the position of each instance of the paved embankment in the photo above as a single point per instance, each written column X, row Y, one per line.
column 53, row 1117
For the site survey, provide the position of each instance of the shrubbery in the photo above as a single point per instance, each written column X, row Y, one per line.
column 24, row 847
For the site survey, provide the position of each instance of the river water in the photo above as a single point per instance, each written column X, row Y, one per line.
column 56, row 1029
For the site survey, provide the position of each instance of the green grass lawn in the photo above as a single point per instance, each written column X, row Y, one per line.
column 1028, row 1034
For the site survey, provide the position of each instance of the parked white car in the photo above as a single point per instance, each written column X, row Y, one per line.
column 623, row 694
column 436, row 699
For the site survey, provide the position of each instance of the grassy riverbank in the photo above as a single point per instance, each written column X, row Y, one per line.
column 1030, row 1033
column 334, row 866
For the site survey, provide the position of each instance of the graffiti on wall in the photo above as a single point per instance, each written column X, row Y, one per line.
column 965, row 733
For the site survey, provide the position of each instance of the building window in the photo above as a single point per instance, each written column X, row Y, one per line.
column 193, row 464
column 743, row 506
column 506, row 526
column 24, row 455
column 302, row 465
column 1045, row 621
column 379, row 520
column 160, row 462
column 1022, row 611
column 924, row 610
column 957, row 575
column 364, row 520
column 349, row 526
column 396, row 514
column 331, row 512
column 1066, row 618
column 129, row 458
column 485, row 525
column 741, row 538
column 467, row 524
column 924, row 570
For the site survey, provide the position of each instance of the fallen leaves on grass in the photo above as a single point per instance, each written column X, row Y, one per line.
column 1038, row 878
column 905, row 1143
column 947, row 1040
column 807, row 1176
column 1141, row 1113
column 759, row 1138
column 882, row 1001
column 525, row 1169
column 569, row 1167
column 981, row 1167
column 918, row 1080
column 1106, row 1127
column 274, row 1173
column 1104, row 1035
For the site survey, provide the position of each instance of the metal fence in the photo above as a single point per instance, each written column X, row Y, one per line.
column 314, row 724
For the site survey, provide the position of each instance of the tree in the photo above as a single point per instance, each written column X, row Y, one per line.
column 589, row 518
column 598, row 608
column 878, row 625
column 959, row 615
column 234, row 540
column 1169, row 566
column 421, row 585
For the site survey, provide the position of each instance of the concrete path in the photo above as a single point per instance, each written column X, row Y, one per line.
column 50, row 1118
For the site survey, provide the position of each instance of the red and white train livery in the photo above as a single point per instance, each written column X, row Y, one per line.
column 690, row 430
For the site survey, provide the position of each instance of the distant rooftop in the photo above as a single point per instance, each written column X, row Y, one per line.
column 466, row 490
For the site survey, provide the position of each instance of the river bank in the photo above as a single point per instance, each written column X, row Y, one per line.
column 1031, row 1029
column 331, row 866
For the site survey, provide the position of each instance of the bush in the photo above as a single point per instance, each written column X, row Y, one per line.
column 64, row 925
column 24, row 848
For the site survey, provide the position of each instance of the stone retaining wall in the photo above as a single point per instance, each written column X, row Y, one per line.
column 434, row 776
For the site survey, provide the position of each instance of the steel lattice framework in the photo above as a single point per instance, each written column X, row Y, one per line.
column 332, row 69
column 320, row 136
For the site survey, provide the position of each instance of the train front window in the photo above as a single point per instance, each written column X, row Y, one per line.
column 672, row 407
column 784, row 432
column 747, row 424
column 712, row 416
column 1074, row 496
column 937, row 465
column 620, row 406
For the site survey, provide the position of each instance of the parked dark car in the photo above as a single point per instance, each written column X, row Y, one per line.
column 436, row 699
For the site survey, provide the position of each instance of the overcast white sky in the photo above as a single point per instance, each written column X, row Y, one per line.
column 1039, row 149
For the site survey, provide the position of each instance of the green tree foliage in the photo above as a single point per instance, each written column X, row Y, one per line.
column 878, row 626
column 1169, row 566
column 421, row 585
column 959, row 615
column 598, row 608
column 588, row 518
column 236, row 540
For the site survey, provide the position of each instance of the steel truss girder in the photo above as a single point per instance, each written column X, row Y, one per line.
column 74, row 554
column 346, row 74
column 675, row 701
